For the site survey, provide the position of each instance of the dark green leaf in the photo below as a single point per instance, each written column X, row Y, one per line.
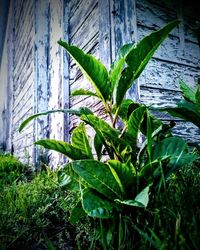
column 141, row 200
column 139, row 56
column 99, row 176
column 80, row 140
column 98, row 145
column 188, row 93
column 79, row 112
column 175, row 149
column 187, row 111
column 118, row 65
column 126, row 108
column 124, row 50
column 62, row 147
column 83, row 92
column 124, row 172
column 30, row 118
column 115, row 72
column 95, row 205
column 149, row 135
column 77, row 213
column 93, row 69
column 197, row 95
column 109, row 135
column 125, row 82
column 134, row 124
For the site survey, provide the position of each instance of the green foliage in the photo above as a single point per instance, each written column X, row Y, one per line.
column 93, row 69
column 12, row 170
column 35, row 214
column 189, row 108
column 118, row 186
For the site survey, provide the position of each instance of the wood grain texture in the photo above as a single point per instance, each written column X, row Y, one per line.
column 42, row 75
column 23, row 75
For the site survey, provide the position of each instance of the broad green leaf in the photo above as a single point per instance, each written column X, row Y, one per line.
column 148, row 170
column 141, row 200
column 109, row 135
column 100, row 124
column 80, row 140
column 77, row 213
column 187, row 111
column 79, row 112
column 175, row 149
column 98, row 176
column 197, row 95
column 118, row 65
column 124, row 172
column 92, row 68
column 115, row 72
column 140, row 55
column 125, row 82
column 62, row 147
column 96, row 205
column 78, row 92
column 154, row 122
column 114, row 173
column 98, row 145
column 126, row 108
column 188, row 93
column 30, row 118
column 149, row 135
column 134, row 124
column 124, row 50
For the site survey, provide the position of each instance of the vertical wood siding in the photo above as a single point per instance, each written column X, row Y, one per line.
column 178, row 57
column 43, row 75
column 41, row 59
column 23, row 76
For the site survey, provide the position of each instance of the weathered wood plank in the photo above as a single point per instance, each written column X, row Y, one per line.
column 159, row 74
column 83, row 12
column 124, row 30
column 187, row 131
column 105, row 32
column 66, row 84
column 154, row 15
column 124, row 23
column 87, row 30
column 23, row 67
column 158, row 97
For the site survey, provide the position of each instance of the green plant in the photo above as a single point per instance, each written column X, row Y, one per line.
column 32, row 212
column 189, row 108
column 12, row 170
column 114, row 190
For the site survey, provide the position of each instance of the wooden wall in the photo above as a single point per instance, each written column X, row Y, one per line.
column 22, row 75
column 42, row 76
column 113, row 23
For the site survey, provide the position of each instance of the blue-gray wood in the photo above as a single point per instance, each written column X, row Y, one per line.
column 41, row 55
column 10, row 58
column 66, row 84
column 105, row 39
column 124, row 31
column 4, row 7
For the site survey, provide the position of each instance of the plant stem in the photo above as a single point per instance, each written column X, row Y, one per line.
column 123, row 131
column 115, row 118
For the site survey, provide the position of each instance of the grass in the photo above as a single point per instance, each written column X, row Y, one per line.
column 34, row 214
